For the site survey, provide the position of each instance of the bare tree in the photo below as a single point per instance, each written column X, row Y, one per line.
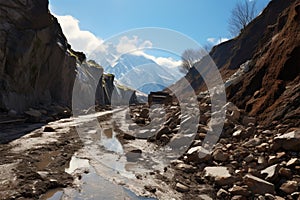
column 243, row 13
column 190, row 57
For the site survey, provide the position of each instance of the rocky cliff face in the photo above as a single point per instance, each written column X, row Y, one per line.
column 270, row 90
column 37, row 66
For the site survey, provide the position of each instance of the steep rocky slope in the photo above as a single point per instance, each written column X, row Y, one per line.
column 271, row 89
column 271, row 41
column 37, row 65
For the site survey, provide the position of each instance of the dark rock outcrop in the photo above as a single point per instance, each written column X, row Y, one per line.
column 38, row 66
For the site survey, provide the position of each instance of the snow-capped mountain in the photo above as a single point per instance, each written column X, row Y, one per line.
column 143, row 74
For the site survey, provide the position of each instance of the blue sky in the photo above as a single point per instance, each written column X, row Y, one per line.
column 88, row 22
column 198, row 19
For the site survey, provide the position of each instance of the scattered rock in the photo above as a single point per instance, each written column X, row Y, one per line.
column 262, row 160
column 237, row 133
column 49, row 129
column 272, row 160
column 289, row 141
column 258, row 186
column 133, row 155
column 220, row 175
column 238, row 190
column 198, row 154
column 181, row 188
column 293, row 162
column 12, row 113
column 262, row 147
column 270, row 197
column 34, row 115
column 204, row 197
column 163, row 130
column 249, row 158
column 220, row 155
column 150, row 188
column 285, row 172
column 144, row 113
column 238, row 197
column 252, row 143
column 289, row 187
column 222, row 194
column 128, row 137
column 271, row 172
column 185, row 167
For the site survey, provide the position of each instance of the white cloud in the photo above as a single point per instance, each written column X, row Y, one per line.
column 162, row 61
column 127, row 45
column 80, row 40
column 87, row 42
column 216, row 41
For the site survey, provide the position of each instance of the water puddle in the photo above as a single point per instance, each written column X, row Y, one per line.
column 106, row 167
column 110, row 141
column 54, row 194
column 90, row 185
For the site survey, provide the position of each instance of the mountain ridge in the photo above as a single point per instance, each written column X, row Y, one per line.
column 129, row 66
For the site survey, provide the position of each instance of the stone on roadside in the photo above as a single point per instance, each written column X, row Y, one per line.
column 271, row 172
column 293, row 162
column 237, row 133
column 220, row 155
column 263, row 147
column 220, row 175
column 128, row 137
column 204, row 197
column 258, row 186
column 238, row 197
column 12, row 113
column 289, row 141
column 289, row 187
column 133, row 155
column 252, row 143
column 238, row 190
column 249, row 158
column 185, row 167
column 198, row 154
column 285, row 172
column 222, row 194
column 163, row 130
column 34, row 115
column 49, row 129
column 181, row 188
column 144, row 113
